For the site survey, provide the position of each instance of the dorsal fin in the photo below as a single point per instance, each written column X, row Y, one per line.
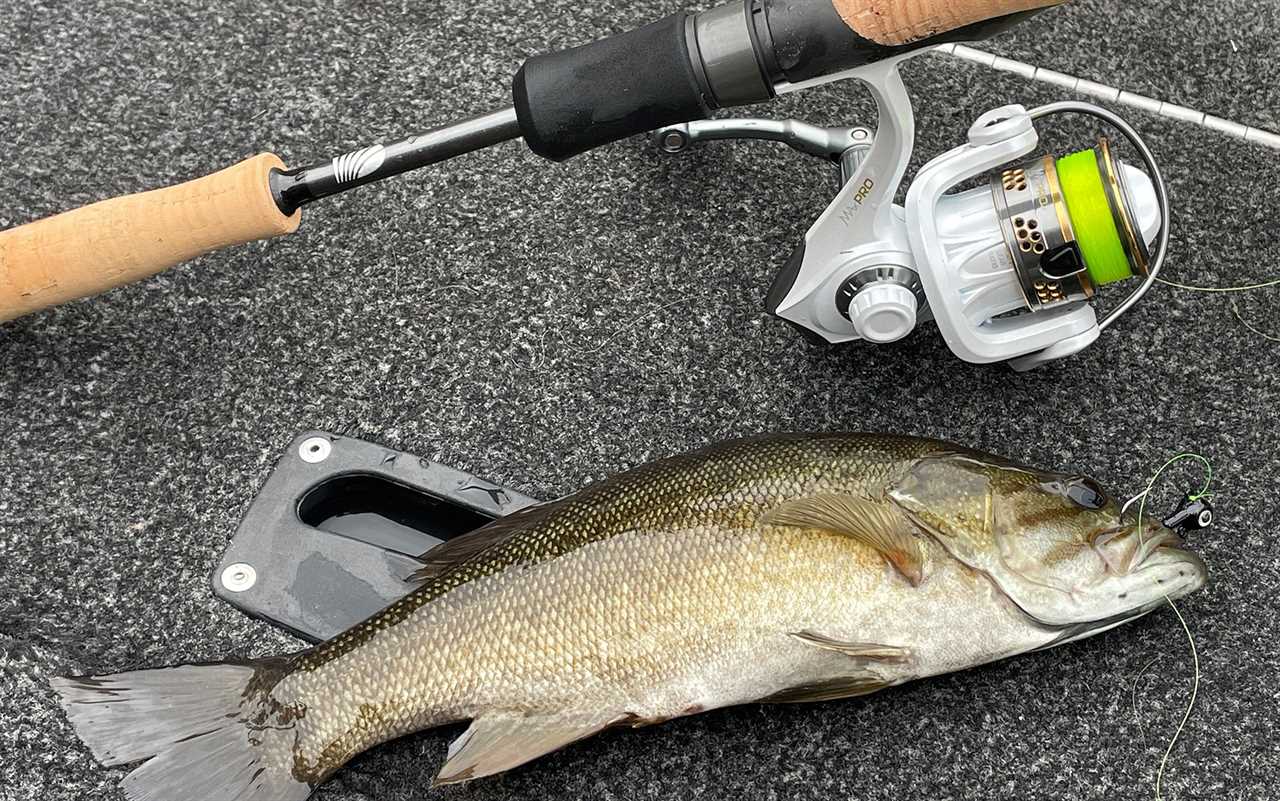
column 879, row 525
column 443, row 558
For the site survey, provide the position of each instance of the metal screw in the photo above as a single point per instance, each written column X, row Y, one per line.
column 674, row 141
column 315, row 450
column 239, row 577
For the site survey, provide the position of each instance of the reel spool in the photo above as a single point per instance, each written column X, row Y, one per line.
column 1008, row 271
column 1071, row 225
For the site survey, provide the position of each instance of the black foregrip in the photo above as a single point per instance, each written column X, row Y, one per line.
column 809, row 40
column 578, row 99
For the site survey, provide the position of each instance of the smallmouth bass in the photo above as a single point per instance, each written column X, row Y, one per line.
column 781, row 569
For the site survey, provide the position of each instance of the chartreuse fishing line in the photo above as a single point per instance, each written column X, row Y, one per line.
column 1196, row 513
column 1095, row 226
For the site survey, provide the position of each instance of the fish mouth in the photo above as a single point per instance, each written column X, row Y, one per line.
column 1155, row 540
column 1158, row 547
column 1177, row 570
column 1168, row 571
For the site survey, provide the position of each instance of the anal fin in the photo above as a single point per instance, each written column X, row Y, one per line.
column 831, row 690
column 497, row 743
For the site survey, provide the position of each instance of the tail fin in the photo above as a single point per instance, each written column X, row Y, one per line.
column 205, row 731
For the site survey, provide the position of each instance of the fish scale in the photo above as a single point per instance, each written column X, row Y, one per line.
column 468, row 632
column 785, row 568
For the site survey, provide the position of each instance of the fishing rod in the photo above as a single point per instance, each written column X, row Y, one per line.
column 680, row 68
column 1010, row 272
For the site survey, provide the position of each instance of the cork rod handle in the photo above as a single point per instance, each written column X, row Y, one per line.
column 898, row 22
column 90, row 250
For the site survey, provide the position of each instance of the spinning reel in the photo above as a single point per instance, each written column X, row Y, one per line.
column 1008, row 272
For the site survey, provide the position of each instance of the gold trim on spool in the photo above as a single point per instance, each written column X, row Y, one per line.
column 1118, row 198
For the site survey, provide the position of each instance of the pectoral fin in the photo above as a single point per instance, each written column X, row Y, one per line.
column 501, row 742
column 879, row 525
column 871, row 651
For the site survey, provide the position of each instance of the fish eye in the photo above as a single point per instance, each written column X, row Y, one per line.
column 1086, row 493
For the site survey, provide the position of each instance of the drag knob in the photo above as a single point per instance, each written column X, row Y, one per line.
column 884, row 312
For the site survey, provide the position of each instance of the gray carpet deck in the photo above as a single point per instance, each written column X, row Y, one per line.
column 545, row 325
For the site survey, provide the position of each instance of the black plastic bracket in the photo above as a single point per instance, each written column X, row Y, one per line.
column 334, row 532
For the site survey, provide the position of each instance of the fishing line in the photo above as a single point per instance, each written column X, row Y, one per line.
column 1219, row 289
column 636, row 321
column 1236, row 310
column 1230, row 290
column 1191, row 704
column 1203, row 493
column 1133, row 698
column 1195, row 656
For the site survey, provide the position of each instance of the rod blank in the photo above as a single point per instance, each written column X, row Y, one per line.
column 1111, row 94
column 296, row 188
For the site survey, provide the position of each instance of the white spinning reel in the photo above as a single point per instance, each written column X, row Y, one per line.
column 1007, row 271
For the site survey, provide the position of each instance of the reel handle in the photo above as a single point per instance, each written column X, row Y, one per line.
column 113, row 242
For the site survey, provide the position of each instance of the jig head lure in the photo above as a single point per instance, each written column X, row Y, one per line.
column 1195, row 514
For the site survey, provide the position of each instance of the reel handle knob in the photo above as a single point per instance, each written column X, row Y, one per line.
column 884, row 312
